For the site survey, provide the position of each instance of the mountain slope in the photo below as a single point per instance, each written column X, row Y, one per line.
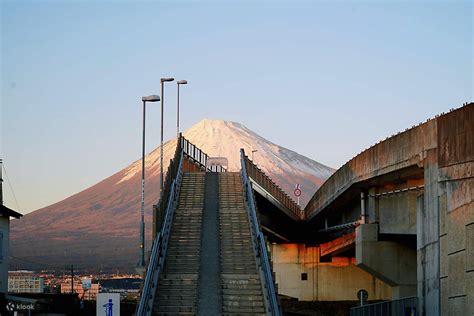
column 98, row 227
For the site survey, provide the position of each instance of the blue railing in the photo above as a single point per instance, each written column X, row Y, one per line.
column 160, row 247
column 271, row 300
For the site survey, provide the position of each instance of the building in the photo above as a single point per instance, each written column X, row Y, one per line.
column 24, row 282
column 83, row 292
column 5, row 214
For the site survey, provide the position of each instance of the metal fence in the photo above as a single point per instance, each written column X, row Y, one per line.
column 402, row 307
column 197, row 156
column 271, row 187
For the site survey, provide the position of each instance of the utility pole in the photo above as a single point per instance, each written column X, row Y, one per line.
column 1, row 181
column 72, row 279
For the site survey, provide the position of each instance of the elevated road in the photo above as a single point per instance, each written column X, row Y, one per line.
column 405, row 208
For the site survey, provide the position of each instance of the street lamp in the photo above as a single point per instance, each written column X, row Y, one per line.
column 150, row 98
column 180, row 82
column 162, row 80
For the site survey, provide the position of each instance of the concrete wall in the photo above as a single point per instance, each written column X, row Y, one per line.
column 390, row 261
column 338, row 280
column 4, row 230
column 456, row 211
column 397, row 213
column 457, row 239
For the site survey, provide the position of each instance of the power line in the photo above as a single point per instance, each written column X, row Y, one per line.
column 37, row 264
column 11, row 188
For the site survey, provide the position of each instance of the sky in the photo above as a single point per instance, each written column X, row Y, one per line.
column 326, row 79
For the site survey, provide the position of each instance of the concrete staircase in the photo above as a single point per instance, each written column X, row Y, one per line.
column 241, row 286
column 177, row 286
column 188, row 284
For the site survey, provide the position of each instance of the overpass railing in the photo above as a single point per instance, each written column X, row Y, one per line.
column 271, row 300
column 257, row 175
column 160, row 242
column 402, row 307
column 197, row 156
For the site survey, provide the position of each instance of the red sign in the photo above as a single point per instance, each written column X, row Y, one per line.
column 297, row 191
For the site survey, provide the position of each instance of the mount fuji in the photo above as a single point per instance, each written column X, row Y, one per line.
column 97, row 228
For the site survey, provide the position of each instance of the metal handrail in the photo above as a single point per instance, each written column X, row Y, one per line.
column 257, row 175
column 259, row 242
column 160, row 247
column 149, row 275
column 196, row 155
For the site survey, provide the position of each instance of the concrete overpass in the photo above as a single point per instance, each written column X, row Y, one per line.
column 404, row 208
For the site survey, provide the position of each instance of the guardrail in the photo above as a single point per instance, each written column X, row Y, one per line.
column 402, row 307
column 271, row 187
column 197, row 156
column 271, row 300
column 171, row 174
column 160, row 243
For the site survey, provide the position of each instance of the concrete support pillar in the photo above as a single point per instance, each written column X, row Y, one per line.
column 372, row 207
column 363, row 214
column 427, row 232
column 391, row 262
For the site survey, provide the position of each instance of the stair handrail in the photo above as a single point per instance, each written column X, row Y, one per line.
column 199, row 157
column 271, row 299
column 271, row 187
column 160, row 246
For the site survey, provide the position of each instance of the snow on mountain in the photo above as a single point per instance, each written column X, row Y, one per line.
column 219, row 138
column 284, row 166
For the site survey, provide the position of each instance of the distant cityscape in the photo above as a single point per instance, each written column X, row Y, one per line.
column 86, row 286
column 51, row 292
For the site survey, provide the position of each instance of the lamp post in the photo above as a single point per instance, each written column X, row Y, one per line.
column 150, row 98
column 162, row 81
column 180, row 82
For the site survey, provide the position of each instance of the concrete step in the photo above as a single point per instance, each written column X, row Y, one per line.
column 169, row 314
column 185, row 257
column 166, row 282
column 242, row 314
column 184, row 243
column 249, row 264
column 241, row 276
column 248, row 253
column 226, row 291
column 177, row 301
column 243, row 310
column 179, row 276
column 177, row 266
column 238, row 301
column 172, row 310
